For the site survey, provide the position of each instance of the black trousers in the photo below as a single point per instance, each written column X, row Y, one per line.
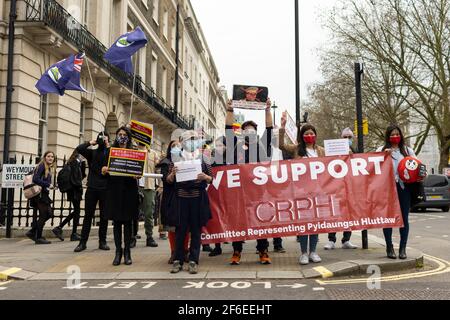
column 45, row 213
column 189, row 222
column 93, row 197
column 277, row 242
column 75, row 215
column 135, row 227
column 261, row 245
column 127, row 231
column 347, row 235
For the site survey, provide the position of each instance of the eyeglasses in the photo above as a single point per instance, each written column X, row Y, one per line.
column 347, row 137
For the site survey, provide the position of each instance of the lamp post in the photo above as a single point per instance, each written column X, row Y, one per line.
column 274, row 108
column 297, row 65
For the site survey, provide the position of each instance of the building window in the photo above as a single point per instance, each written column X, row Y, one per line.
column 155, row 13
column 174, row 37
column 164, row 84
column 154, row 71
column 82, row 121
column 43, row 120
column 166, row 24
column 185, row 103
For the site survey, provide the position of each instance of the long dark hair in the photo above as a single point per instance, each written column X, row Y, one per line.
column 130, row 141
column 301, row 142
column 169, row 148
column 73, row 157
column 387, row 141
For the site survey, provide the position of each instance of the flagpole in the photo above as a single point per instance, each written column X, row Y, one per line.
column 134, row 85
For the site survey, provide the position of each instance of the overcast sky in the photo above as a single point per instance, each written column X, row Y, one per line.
column 253, row 42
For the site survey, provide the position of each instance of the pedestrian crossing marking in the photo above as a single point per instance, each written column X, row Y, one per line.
column 324, row 272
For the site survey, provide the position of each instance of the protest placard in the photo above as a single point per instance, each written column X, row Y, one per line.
column 250, row 97
column 126, row 162
column 142, row 132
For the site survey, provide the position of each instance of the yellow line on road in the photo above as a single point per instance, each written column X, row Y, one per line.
column 5, row 283
column 324, row 272
column 443, row 267
column 6, row 273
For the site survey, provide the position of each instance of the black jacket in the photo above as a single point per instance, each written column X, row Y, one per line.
column 96, row 160
column 241, row 155
column 77, row 170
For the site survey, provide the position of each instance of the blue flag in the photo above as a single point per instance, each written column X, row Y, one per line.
column 63, row 75
column 124, row 48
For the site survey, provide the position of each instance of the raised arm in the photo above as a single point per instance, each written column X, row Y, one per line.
column 230, row 114
column 269, row 119
column 289, row 148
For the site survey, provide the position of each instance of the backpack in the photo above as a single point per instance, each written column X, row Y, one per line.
column 30, row 189
column 64, row 179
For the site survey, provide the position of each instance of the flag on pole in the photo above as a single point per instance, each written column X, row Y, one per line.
column 124, row 48
column 63, row 75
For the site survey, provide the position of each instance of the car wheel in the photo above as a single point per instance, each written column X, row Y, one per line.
column 445, row 209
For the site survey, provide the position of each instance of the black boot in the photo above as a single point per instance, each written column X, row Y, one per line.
column 402, row 253
column 103, row 246
column 58, row 232
column 31, row 234
column 127, row 256
column 390, row 252
column 133, row 242
column 118, row 257
column 75, row 237
column 81, row 247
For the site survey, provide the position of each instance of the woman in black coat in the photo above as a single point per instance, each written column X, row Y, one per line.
column 122, row 202
column 74, row 195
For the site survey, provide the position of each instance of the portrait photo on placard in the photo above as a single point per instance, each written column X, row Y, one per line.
column 250, row 97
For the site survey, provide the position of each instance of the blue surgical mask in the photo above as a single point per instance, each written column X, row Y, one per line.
column 175, row 151
column 350, row 142
column 192, row 145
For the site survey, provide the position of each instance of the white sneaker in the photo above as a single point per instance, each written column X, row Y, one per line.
column 348, row 245
column 304, row 260
column 314, row 257
column 330, row 245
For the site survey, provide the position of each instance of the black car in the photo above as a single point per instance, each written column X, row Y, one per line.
column 437, row 193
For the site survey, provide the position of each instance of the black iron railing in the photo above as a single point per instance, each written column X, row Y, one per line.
column 15, row 209
column 56, row 17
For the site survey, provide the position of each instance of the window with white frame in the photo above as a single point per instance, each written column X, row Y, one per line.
column 174, row 37
column 164, row 85
column 43, row 129
column 155, row 14
column 166, row 24
column 154, row 70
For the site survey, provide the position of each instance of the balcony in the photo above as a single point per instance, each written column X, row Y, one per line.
column 50, row 14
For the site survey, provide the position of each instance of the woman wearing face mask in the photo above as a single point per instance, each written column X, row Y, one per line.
column 42, row 177
column 395, row 146
column 306, row 148
column 122, row 201
column 189, row 207
column 165, row 166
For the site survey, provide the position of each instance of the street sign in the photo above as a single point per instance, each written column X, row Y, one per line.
column 13, row 174
column 365, row 127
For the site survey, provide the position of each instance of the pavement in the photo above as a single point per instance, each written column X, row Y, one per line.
column 21, row 259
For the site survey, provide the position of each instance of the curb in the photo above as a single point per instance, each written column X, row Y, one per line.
column 339, row 269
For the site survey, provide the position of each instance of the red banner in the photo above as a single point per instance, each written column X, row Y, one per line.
column 300, row 197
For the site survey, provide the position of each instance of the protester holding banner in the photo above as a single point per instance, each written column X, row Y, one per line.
column 121, row 205
column 75, row 175
column 347, row 133
column 96, row 187
column 189, row 206
column 249, row 149
column 396, row 147
column 165, row 166
column 306, row 148
column 42, row 177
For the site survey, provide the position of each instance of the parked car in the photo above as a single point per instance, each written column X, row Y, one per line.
column 437, row 193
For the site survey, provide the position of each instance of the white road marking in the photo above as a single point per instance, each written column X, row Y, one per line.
column 318, row 289
column 428, row 227
column 3, row 288
column 445, row 236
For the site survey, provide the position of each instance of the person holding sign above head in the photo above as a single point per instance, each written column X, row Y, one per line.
column 306, row 148
column 249, row 149
column 189, row 206
column 347, row 133
column 122, row 201
column 395, row 146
